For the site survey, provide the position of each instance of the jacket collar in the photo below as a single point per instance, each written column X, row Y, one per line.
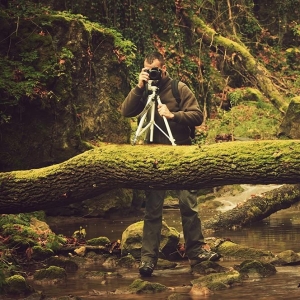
column 164, row 81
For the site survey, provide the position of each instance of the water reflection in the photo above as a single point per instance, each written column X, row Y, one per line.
column 277, row 233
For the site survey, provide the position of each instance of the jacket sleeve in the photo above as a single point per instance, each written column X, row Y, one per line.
column 133, row 103
column 189, row 113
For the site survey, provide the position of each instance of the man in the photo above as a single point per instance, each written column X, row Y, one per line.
column 180, row 116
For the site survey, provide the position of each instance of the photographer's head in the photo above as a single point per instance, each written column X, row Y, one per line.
column 156, row 62
column 154, row 69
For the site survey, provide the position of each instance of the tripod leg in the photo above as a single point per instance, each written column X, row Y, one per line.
column 170, row 135
column 152, row 123
column 139, row 130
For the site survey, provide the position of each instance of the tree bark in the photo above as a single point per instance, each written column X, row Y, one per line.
column 149, row 167
column 256, row 208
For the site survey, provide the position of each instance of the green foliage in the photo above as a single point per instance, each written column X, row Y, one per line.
column 33, row 62
column 251, row 120
column 26, row 8
column 296, row 29
column 23, row 235
column 20, row 219
column 250, row 28
column 20, row 237
column 80, row 234
column 137, row 27
column 54, row 242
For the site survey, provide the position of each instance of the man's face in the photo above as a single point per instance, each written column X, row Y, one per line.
column 155, row 64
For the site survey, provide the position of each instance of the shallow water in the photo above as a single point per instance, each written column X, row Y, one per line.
column 277, row 233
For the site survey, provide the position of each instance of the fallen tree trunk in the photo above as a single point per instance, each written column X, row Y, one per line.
column 149, row 167
column 255, row 209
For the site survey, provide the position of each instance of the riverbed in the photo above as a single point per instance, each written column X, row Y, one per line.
column 276, row 233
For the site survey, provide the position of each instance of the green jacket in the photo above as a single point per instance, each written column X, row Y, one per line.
column 187, row 113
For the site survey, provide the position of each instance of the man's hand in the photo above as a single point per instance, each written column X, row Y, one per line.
column 164, row 111
column 143, row 78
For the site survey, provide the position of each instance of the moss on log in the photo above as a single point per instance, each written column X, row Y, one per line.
column 149, row 167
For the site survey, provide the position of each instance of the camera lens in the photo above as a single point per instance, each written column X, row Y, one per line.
column 154, row 74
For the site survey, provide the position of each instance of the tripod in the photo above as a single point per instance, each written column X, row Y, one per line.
column 151, row 105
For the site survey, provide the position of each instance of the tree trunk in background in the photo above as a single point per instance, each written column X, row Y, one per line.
column 252, row 65
column 256, row 208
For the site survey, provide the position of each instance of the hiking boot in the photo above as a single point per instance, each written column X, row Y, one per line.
column 146, row 268
column 203, row 256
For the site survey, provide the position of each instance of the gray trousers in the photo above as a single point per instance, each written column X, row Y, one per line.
column 191, row 223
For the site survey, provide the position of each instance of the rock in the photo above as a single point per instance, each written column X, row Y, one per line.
column 288, row 257
column 213, row 282
column 52, row 273
column 99, row 241
column 63, row 262
column 163, row 264
column 207, row 267
column 140, row 286
column 40, row 253
column 110, row 262
column 127, row 261
column 16, row 285
column 230, row 249
column 198, row 290
column 290, row 126
column 131, row 241
column 80, row 251
column 255, row 268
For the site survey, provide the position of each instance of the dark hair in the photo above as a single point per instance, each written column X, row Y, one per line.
column 153, row 56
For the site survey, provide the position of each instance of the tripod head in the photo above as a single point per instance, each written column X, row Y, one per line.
column 152, row 87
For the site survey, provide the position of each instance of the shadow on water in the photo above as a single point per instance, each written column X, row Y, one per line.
column 276, row 233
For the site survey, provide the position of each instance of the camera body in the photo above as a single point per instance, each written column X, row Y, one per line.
column 154, row 73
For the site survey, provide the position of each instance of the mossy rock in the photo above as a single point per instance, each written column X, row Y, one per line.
column 67, row 264
column 231, row 249
column 40, row 253
column 93, row 274
column 287, row 257
column 52, row 272
column 17, row 285
column 99, row 241
column 207, row 267
column 99, row 274
column 217, row 281
column 132, row 240
column 140, row 286
column 163, row 264
column 255, row 268
column 127, row 261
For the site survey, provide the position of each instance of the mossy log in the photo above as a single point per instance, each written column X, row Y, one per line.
column 149, row 167
column 256, row 208
column 253, row 66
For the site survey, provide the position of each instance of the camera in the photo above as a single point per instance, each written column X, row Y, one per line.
column 154, row 73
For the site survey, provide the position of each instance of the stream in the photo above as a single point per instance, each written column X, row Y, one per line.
column 276, row 233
